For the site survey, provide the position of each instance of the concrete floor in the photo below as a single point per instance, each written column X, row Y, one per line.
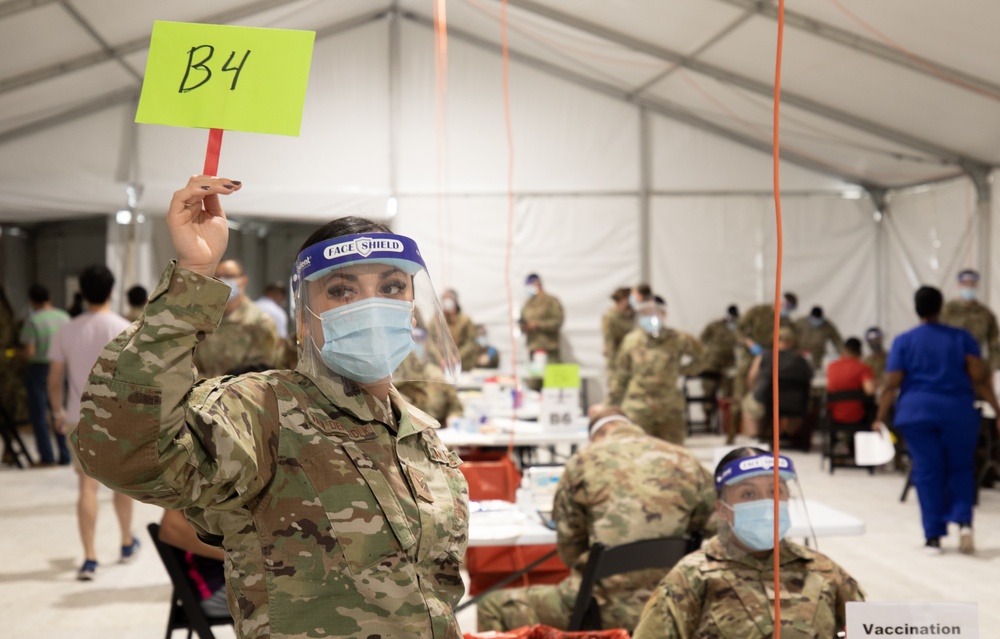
column 40, row 597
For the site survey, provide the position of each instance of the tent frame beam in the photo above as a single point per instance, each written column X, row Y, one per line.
column 654, row 105
column 132, row 93
column 132, row 46
column 874, row 48
column 13, row 7
column 744, row 82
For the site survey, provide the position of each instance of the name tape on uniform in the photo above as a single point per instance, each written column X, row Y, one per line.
column 222, row 77
column 930, row 620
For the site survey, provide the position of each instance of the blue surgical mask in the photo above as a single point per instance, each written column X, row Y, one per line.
column 632, row 301
column 731, row 325
column 530, row 290
column 482, row 341
column 234, row 287
column 815, row 322
column 649, row 323
column 967, row 293
column 366, row 341
column 753, row 523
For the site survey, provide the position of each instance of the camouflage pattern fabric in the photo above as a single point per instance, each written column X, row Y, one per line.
column 876, row 362
column 246, row 337
column 625, row 487
column 721, row 592
column 492, row 359
column 463, row 331
column 339, row 515
column 13, row 392
column 756, row 324
column 978, row 320
column 720, row 343
column 645, row 380
column 547, row 312
column 814, row 340
column 425, row 388
column 615, row 325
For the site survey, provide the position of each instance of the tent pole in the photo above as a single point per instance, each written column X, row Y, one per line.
column 395, row 87
column 645, row 180
column 880, row 202
column 980, row 176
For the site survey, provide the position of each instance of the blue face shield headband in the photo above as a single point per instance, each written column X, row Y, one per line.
column 740, row 469
column 384, row 248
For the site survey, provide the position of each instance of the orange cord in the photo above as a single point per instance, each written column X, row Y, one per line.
column 777, row 317
column 441, row 127
column 510, row 214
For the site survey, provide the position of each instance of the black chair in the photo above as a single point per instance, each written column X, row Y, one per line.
column 707, row 402
column 185, row 607
column 832, row 429
column 12, row 440
column 793, row 407
column 605, row 562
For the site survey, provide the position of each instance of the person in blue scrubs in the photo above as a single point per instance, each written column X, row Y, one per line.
column 938, row 371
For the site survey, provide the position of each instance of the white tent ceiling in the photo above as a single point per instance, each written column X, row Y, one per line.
column 885, row 94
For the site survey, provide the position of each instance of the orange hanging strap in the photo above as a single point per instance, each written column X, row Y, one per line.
column 510, row 213
column 777, row 317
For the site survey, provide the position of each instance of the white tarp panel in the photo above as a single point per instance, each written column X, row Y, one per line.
column 931, row 236
column 566, row 138
column 710, row 252
column 583, row 249
column 687, row 160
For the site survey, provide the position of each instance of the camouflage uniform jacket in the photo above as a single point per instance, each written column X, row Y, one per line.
column 628, row 487
column 978, row 320
column 425, row 387
column 720, row 346
column 647, row 369
column 757, row 323
column 814, row 339
column 876, row 362
column 721, row 592
column 337, row 517
column 463, row 332
column 615, row 326
column 246, row 337
column 547, row 312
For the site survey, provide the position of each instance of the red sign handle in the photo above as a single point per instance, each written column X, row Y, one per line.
column 212, row 154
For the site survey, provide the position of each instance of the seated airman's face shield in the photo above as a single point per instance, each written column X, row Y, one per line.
column 746, row 491
column 358, row 301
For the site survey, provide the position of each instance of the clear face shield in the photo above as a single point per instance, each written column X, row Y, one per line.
column 745, row 505
column 651, row 317
column 366, row 311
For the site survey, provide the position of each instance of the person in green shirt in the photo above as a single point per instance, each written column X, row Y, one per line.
column 36, row 335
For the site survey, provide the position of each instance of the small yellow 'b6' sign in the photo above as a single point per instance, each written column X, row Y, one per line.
column 221, row 77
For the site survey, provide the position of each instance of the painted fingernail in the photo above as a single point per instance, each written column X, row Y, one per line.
column 206, row 188
column 236, row 182
column 228, row 186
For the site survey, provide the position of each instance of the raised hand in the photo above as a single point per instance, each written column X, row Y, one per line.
column 197, row 223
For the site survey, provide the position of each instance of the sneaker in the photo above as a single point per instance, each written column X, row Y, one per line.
column 966, row 542
column 129, row 552
column 933, row 546
column 87, row 570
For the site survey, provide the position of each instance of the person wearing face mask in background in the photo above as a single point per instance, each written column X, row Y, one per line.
column 618, row 321
column 650, row 362
column 815, row 332
column 462, row 330
column 486, row 355
column 541, row 319
column 969, row 313
column 877, row 356
column 246, row 336
column 719, row 340
column 725, row 590
column 339, row 510
column 426, row 387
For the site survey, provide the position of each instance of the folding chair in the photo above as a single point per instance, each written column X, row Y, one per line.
column 605, row 562
column 185, row 607
column 832, row 428
column 707, row 402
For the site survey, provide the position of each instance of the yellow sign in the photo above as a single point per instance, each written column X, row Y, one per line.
column 220, row 77
column 561, row 376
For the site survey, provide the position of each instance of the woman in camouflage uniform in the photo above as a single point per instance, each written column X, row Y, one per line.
column 339, row 510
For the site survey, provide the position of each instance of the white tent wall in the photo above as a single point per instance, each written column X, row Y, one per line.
column 931, row 234
column 713, row 251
